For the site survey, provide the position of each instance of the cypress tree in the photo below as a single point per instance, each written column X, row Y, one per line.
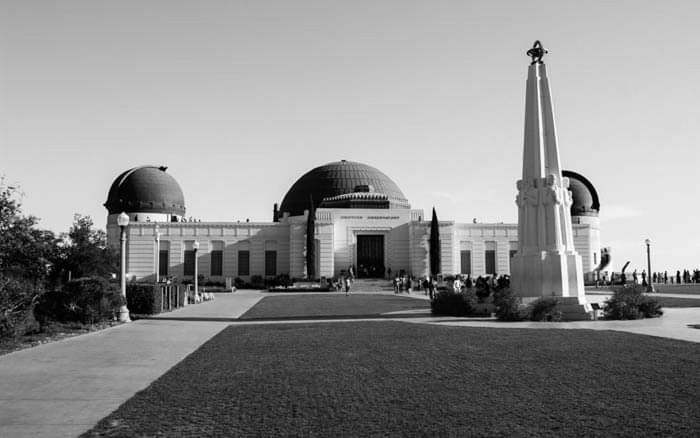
column 434, row 245
column 310, row 241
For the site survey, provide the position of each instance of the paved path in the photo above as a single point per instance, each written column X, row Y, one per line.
column 64, row 388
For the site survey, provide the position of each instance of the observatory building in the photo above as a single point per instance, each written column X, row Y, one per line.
column 362, row 219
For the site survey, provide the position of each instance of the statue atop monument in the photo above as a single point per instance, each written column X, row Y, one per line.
column 537, row 52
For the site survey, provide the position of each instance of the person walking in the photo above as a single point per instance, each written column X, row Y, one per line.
column 346, row 280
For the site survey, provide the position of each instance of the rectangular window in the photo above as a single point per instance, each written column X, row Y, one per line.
column 217, row 263
column 244, row 262
column 595, row 258
column 490, row 256
column 163, row 262
column 270, row 263
column 189, row 263
column 466, row 262
column 513, row 252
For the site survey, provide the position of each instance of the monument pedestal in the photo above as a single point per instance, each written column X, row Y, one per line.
column 571, row 308
column 552, row 274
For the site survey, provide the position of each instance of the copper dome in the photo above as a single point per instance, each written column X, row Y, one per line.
column 585, row 196
column 146, row 189
column 339, row 178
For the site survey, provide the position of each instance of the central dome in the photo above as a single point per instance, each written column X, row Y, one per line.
column 340, row 178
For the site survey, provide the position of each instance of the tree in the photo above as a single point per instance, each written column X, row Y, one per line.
column 84, row 252
column 26, row 252
column 25, row 257
column 311, row 241
column 434, row 245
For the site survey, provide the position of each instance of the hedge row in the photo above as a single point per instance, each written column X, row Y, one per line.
column 148, row 299
column 87, row 300
column 626, row 303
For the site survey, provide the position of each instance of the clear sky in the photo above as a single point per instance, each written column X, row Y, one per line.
column 239, row 99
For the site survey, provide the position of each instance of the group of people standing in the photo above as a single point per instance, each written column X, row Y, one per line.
column 684, row 276
column 429, row 285
column 344, row 281
column 680, row 277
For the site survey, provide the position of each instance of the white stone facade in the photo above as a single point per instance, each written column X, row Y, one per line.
column 474, row 248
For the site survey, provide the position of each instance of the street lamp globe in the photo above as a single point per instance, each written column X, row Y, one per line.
column 123, row 219
column 648, row 242
column 195, row 245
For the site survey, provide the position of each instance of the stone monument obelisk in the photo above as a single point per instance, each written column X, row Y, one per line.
column 546, row 264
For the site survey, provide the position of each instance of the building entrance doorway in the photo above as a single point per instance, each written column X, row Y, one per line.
column 370, row 256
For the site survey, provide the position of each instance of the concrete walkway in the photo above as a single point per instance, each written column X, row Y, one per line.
column 64, row 388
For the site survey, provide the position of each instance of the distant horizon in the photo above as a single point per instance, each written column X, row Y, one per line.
column 239, row 99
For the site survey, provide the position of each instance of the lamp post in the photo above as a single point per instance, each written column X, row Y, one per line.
column 157, row 267
column 650, row 286
column 123, row 222
column 195, row 247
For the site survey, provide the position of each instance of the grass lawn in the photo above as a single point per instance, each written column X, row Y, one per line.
column 318, row 305
column 677, row 302
column 400, row 379
column 688, row 288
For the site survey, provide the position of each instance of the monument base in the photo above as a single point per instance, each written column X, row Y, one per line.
column 548, row 274
column 571, row 308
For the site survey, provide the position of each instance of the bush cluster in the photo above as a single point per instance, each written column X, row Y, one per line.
column 448, row 303
column 18, row 296
column 545, row 309
column 258, row 282
column 86, row 300
column 630, row 303
column 143, row 298
column 508, row 305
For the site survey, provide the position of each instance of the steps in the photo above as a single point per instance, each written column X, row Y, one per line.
column 372, row 285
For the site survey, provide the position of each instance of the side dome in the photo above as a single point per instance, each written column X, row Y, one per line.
column 585, row 196
column 331, row 180
column 146, row 189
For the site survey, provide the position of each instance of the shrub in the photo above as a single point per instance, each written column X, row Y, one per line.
column 257, row 282
column 239, row 283
column 17, row 300
column 508, row 305
column 630, row 303
column 87, row 300
column 279, row 280
column 143, row 298
column 545, row 309
column 450, row 303
column 214, row 283
column 483, row 291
